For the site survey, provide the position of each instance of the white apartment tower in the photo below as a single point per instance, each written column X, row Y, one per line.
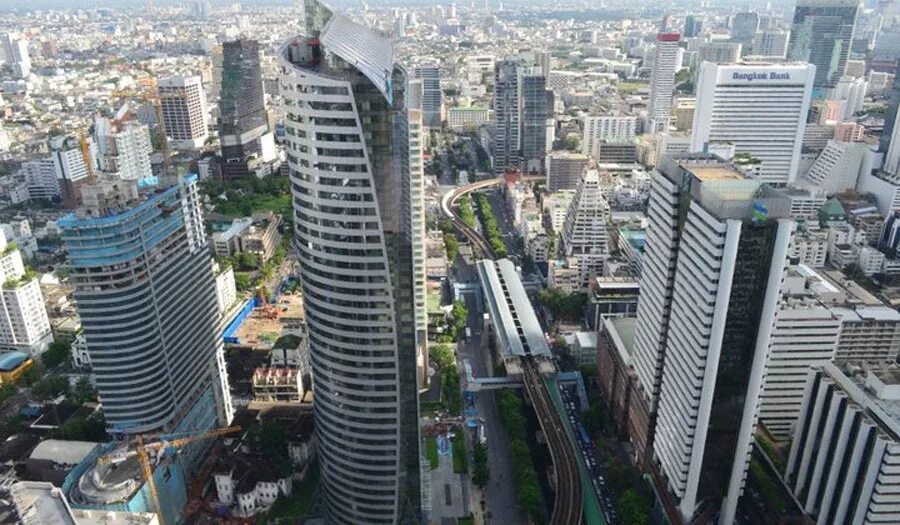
column 666, row 61
column 24, row 325
column 184, row 113
column 771, row 43
column 347, row 122
column 715, row 255
column 760, row 108
column 14, row 53
column 605, row 128
column 584, row 234
column 843, row 462
column 417, row 197
column 123, row 146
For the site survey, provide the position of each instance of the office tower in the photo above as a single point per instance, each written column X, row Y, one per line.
column 805, row 335
column 506, row 114
column 14, row 53
column 565, row 169
column 719, row 52
column 662, row 80
column 347, row 116
column 24, row 325
column 147, row 299
column 584, row 234
column 414, row 93
column 242, row 107
column 761, row 109
column 599, row 129
column 890, row 117
column 693, row 26
column 123, row 146
column 842, row 464
column 417, row 198
column 715, row 254
column 743, row 28
column 432, row 95
column 771, row 43
column 821, row 35
column 534, row 112
column 183, row 104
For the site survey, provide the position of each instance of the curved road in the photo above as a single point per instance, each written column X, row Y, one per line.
column 568, row 505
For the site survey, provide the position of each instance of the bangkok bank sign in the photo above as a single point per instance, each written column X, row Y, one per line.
column 764, row 75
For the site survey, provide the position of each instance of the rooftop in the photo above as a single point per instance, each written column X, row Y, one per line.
column 63, row 452
column 11, row 360
column 721, row 172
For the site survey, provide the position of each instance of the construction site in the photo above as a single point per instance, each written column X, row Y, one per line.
column 265, row 322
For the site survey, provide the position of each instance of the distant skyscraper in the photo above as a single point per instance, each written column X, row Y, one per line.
column 662, row 80
column 534, row 112
column 242, row 107
column 890, row 117
column 432, row 95
column 14, row 53
column 771, row 43
column 123, row 146
column 506, row 115
column 183, row 103
column 821, row 35
column 347, row 123
column 761, row 109
column 693, row 26
column 744, row 27
column 719, row 52
column 715, row 255
column 152, row 326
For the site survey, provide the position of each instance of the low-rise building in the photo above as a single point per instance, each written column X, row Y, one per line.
column 278, row 385
column 584, row 349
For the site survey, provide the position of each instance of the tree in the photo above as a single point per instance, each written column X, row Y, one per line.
column 442, row 356
column 460, row 315
column 30, row 376
column 633, row 508
column 92, row 428
column 269, row 438
column 57, row 353
column 51, row 386
column 242, row 281
column 451, row 245
column 480, row 473
column 84, row 391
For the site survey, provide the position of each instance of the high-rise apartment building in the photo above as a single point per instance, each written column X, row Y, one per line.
column 821, row 35
column 715, row 255
column 24, row 325
column 507, row 127
column 60, row 174
column 666, row 61
column 123, row 146
column 417, row 199
column 432, row 95
column 242, row 107
column 606, row 128
column 347, row 128
column 761, row 109
column 842, row 464
column 14, row 53
column 693, row 26
column 565, row 169
column 184, row 114
column 890, row 117
column 146, row 295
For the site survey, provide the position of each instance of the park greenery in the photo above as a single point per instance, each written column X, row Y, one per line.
column 490, row 226
column 451, row 245
column 528, row 490
column 562, row 305
column 248, row 195
column 460, row 457
column 57, row 353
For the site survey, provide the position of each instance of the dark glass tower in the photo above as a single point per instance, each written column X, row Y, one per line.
column 822, row 35
column 242, row 119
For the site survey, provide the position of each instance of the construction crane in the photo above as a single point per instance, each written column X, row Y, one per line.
column 143, row 452
column 150, row 93
column 86, row 152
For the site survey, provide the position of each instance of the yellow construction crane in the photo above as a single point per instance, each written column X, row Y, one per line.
column 86, row 152
column 150, row 93
column 143, row 452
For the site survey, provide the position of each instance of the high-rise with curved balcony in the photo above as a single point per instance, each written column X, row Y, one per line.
column 347, row 128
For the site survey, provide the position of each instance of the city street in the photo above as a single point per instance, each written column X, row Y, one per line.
column 500, row 492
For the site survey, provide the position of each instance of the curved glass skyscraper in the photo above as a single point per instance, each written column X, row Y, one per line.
column 348, row 150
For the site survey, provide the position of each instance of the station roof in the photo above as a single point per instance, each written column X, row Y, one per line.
column 519, row 332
